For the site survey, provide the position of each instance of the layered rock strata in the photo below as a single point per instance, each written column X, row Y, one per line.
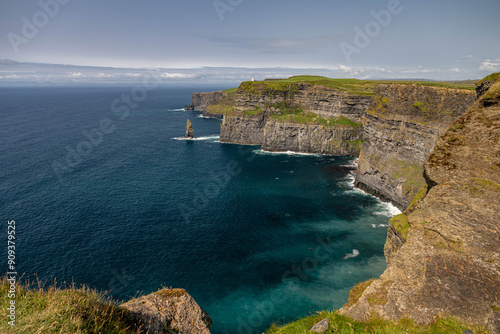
column 324, row 101
column 200, row 101
column 401, row 127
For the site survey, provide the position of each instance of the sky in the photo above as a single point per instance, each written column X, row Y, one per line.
column 365, row 39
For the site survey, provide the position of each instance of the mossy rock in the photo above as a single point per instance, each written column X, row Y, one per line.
column 400, row 224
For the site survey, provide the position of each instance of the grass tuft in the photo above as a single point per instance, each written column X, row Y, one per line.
column 344, row 325
column 400, row 223
column 64, row 310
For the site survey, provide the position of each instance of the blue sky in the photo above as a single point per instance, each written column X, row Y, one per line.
column 439, row 39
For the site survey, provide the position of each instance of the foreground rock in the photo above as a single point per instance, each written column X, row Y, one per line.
column 321, row 326
column 449, row 262
column 167, row 311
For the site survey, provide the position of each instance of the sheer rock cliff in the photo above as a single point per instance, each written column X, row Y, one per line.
column 401, row 127
column 200, row 101
column 298, row 117
column 443, row 252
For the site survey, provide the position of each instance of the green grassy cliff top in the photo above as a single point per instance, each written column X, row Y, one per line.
column 353, row 86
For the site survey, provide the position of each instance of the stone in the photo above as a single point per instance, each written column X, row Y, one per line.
column 167, row 311
column 321, row 326
column 189, row 130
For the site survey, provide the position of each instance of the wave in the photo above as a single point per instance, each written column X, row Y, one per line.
column 260, row 151
column 214, row 138
column 387, row 209
column 380, row 225
column 354, row 253
column 353, row 164
column 180, row 109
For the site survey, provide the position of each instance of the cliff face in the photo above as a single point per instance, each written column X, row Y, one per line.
column 242, row 129
column 299, row 117
column 276, row 135
column 200, row 101
column 324, row 101
column 450, row 260
column 338, row 140
column 401, row 127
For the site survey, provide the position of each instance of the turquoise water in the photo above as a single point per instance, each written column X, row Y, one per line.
column 254, row 237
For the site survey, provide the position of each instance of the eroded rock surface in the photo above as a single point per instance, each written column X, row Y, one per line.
column 167, row 311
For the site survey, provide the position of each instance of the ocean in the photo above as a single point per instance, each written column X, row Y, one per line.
column 105, row 192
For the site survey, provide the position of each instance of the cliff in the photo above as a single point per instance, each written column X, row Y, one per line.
column 324, row 101
column 340, row 140
column 443, row 252
column 401, row 127
column 277, row 135
column 200, row 101
column 301, row 114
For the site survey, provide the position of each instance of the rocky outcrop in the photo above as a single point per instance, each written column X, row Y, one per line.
column 276, row 135
column 200, row 101
column 189, row 130
column 450, row 260
column 401, row 127
column 300, row 117
column 339, row 140
column 169, row 311
column 324, row 101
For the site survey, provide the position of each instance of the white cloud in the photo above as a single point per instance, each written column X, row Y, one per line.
column 490, row 65
column 76, row 75
column 178, row 76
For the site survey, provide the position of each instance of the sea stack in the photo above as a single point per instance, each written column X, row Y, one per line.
column 189, row 130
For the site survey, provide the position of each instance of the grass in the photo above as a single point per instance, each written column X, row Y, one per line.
column 231, row 90
column 411, row 172
column 357, row 291
column 422, row 192
column 63, row 310
column 312, row 118
column 491, row 77
column 344, row 325
column 400, row 224
column 493, row 93
column 224, row 105
column 254, row 112
column 353, row 86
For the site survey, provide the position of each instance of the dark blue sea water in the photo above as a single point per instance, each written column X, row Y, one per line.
column 104, row 195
